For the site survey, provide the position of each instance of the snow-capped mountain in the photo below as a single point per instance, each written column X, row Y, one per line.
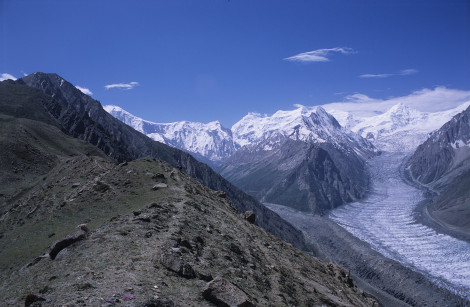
column 208, row 141
column 400, row 128
column 215, row 143
column 311, row 125
column 301, row 158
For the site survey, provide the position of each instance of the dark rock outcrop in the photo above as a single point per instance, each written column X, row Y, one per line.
column 33, row 300
column 250, row 216
column 174, row 264
column 67, row 241
column 444, row 154
column 442, row 163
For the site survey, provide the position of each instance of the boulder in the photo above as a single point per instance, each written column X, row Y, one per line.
column 59, row 245
column 33, row 300
column 173, row 263
column 223, row 293
column 250, row 216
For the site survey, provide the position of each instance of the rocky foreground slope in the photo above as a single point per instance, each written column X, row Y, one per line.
column 157, row 236
column 149, row 235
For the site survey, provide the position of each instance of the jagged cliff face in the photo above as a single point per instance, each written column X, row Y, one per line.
column 442, row 163
column 80, row 116
column 445, row 154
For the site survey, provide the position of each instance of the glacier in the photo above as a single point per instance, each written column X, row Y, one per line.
column 385, row 219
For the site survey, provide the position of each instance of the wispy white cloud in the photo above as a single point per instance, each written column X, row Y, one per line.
column 404, row 72
column 125, row 86
column 375, row 76
column 425, row 100
column 84, row 90
column 319, row 55
column 6, row 76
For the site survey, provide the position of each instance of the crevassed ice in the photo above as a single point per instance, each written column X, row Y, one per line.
column 385, row 220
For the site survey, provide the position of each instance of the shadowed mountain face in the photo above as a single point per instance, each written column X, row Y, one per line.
column 80, row 116
column 445, row 153
column 308, row 177
column 443, row 164
column 154, row 235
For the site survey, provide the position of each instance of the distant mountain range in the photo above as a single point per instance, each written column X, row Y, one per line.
column 207, row 142
column 400, row 128
column 271, row 157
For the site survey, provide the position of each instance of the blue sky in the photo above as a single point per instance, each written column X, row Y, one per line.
column 218, row 60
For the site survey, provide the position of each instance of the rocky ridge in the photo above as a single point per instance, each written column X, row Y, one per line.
column 83, row 117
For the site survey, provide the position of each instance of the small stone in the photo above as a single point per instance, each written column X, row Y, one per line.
column 159, row 186
column 144, row 218
column 158, row 176
column 221, row 194
column 159, row 302
column 204, row 275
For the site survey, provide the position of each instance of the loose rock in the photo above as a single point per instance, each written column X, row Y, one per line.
column 223, row 293
column 59, row 245
column 250, row 216
column 175, row 264
column 159, row 186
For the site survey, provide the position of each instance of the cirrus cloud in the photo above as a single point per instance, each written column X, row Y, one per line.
column 124, row 86
column 404, row 72
column 319, row 55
